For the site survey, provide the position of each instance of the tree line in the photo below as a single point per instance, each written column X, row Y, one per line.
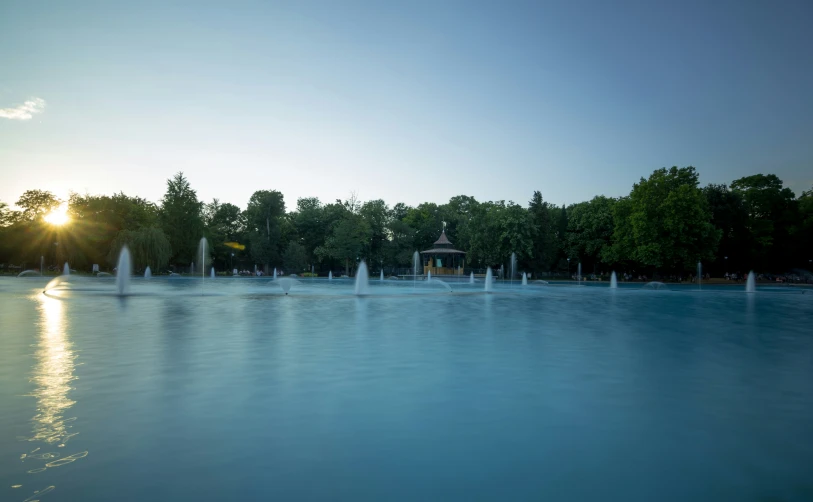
column 664, row 226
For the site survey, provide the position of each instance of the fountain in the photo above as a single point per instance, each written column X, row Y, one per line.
column 381, row 276
column 442, row 283
column 26, row 273
column 192, row 268
column 489, row 279
column 513, row 267
column 471, row 278
column 362, row 282
column 330, row 275
column 285, row 283
column 275, row 272
column 123, row 271
column 429, row 275
column 751, row 283
column 203, row 256
column 655, row 285
column 212, row 273
column 613, row 281
column 579, row 274
column 42, row 264
column 416, row 258
column 147, row 273
column 524, row 279
column 234, row 272
column 699, row 275
column 66, row 270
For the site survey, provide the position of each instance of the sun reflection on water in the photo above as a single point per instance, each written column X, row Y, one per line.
column 52, row 376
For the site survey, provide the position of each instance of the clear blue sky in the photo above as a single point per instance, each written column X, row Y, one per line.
column 406, row 101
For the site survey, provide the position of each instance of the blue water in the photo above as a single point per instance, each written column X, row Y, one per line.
column 231, row 390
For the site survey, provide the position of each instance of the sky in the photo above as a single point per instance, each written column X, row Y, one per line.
column 407, row 101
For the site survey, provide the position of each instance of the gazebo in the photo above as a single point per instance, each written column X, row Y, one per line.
column 442, row 259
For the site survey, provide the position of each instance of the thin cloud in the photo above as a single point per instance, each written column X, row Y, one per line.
column 24, row 111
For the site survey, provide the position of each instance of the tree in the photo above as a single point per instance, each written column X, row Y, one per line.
column 544, row 252
column 729, row 216
column 772, row 218
column 590, row 230
column 148, row 246
column 263, row 216
column 36, row 204
column 181, row 219
column 295, row 258
column 347, row 240
column 664, row 223
column 377, row 215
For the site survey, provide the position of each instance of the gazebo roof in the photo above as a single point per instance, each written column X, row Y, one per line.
column 443, row 240
column 443, row 251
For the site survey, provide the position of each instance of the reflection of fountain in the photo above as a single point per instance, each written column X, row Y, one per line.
column 66, row 270
column 147, row 273
column 613, row 281
column 489, row 279
column 53, row 374
column 123, row 271
column 751, row 283
column 362, row 281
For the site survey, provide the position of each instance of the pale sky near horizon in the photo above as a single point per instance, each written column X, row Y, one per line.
column 405, row 101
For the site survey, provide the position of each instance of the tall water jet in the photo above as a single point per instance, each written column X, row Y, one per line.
column 123, row 271
column 212, row 273
column 489, row 280
column 66, row 270
column 330, row 275
column 192, row 268
column 275, row 272
column 524, row 279
column 579, row 273
column 699, row 275
column 381, row 276
column 613, row 281
column 147, row 273
column 429, row 275
column 513, row 266
column 42, row 264
column 203, row 256
column 416, row 258
column 471, row 278
column 362, row 281
column 751, row 283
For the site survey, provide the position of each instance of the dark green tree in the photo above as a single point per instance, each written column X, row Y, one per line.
column 181, row 219
column 665, row 223
column 264, row 214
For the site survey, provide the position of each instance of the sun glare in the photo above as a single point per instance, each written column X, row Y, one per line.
column 58, row 216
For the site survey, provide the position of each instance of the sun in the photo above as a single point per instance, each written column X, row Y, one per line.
column 58, row 216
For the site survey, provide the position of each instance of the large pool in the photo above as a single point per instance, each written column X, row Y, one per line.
column 230, row 390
